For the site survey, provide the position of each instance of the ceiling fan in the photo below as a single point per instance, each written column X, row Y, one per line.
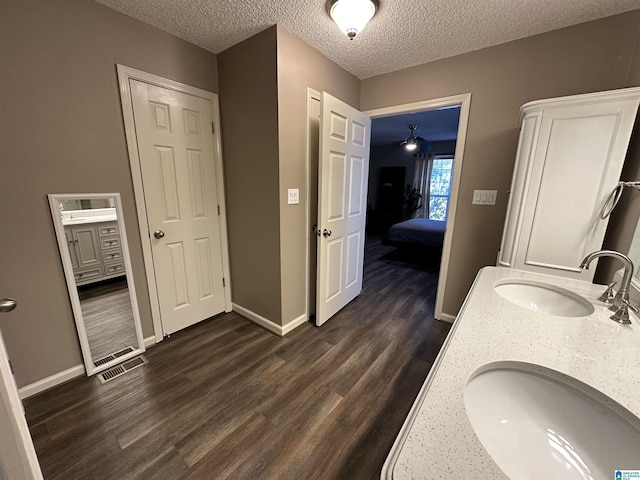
column 412, row 142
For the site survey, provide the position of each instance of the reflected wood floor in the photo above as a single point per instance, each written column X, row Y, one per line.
column 227, row 399
column 108, row 317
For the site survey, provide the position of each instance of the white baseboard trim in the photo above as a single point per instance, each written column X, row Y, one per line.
column 293, row 324
column 52, row 381
column 273, row 327
column 445, row 317
column 64, row 376
column 259, row 319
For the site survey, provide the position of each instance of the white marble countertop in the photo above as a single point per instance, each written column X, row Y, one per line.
column 80, row 221
column 437, row 440
column 96, row 215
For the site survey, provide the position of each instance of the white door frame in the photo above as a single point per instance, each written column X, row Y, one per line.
column 464, row 100
column 311, row 95
column 125, row 74
column 26, row 460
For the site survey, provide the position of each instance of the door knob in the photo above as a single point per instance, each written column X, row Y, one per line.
column 158, row 234
column 7, row 304
column 326, row 233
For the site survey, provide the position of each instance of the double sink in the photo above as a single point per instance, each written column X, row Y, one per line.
column 534, row 381
column 538, row 423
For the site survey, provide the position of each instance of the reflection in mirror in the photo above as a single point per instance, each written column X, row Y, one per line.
column 95, row 257
column 634, row 251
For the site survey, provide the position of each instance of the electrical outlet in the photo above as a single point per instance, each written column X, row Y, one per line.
column 484, row 197
column 294, row 196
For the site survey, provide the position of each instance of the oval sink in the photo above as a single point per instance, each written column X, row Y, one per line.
column 536, row 425
column 543, row 297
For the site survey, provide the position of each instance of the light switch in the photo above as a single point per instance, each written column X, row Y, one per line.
column 485, row 197
column 294, row 196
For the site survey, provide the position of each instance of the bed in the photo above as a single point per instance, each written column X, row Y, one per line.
column 416, row 233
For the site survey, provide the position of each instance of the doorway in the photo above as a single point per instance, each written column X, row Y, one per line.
column 458, row 101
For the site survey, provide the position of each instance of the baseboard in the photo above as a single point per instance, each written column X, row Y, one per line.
column 445, row 317
column 293, row 324
column 64, row 376
column 50, row 382
column 280, row 330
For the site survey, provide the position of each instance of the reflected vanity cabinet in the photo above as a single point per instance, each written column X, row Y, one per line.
column 95, row 250
column 569, row 158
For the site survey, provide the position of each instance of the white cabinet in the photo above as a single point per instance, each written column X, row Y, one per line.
column 570, row 155
column 95, row 250
column 84, row 250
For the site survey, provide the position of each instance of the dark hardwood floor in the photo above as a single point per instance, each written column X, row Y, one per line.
column 227, row 399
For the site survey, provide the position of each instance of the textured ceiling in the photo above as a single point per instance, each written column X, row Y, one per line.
column 403, row 33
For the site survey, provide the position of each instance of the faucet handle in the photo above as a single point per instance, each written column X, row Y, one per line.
column 621, row 315
column 607, row 295
column 630, row 306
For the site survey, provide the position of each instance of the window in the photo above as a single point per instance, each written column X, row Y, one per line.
column 440, row 187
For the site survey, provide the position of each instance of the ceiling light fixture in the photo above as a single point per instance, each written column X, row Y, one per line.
column 411, row 143
column 352, row 16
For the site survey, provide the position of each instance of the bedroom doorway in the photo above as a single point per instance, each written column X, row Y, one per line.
column 425, row 175
column 461, row 102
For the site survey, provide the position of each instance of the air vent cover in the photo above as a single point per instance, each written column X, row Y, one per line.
column 119, row 370
column 113, row 356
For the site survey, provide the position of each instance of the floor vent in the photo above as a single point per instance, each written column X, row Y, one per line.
column 122, row 352
column 122, row 369
column 113, row 356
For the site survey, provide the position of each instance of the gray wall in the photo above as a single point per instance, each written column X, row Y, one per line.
column 249, row 111
column 594, row 56
column 299, row 67
column 62, row 132
column 263, row 90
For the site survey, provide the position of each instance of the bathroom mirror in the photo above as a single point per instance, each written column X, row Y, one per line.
column 634, row 255
column 634, row 251
column 95, row 258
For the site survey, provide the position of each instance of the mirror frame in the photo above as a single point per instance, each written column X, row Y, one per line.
column 54, row 201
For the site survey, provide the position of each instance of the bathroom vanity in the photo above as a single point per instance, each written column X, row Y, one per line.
column 94, row 243
column 577, row 348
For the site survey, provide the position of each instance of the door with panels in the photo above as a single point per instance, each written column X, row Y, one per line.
column 176, row 151
column 345, row 135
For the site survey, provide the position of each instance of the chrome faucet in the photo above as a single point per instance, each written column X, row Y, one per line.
column 621, row 302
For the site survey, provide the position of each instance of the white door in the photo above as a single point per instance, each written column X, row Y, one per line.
column 175, row 145
column 345, row 135
column 18, row 459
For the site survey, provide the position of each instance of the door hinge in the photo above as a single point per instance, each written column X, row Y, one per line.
column 213, row 127
column 224, row 283
column 11, row 368
column 218, row 210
